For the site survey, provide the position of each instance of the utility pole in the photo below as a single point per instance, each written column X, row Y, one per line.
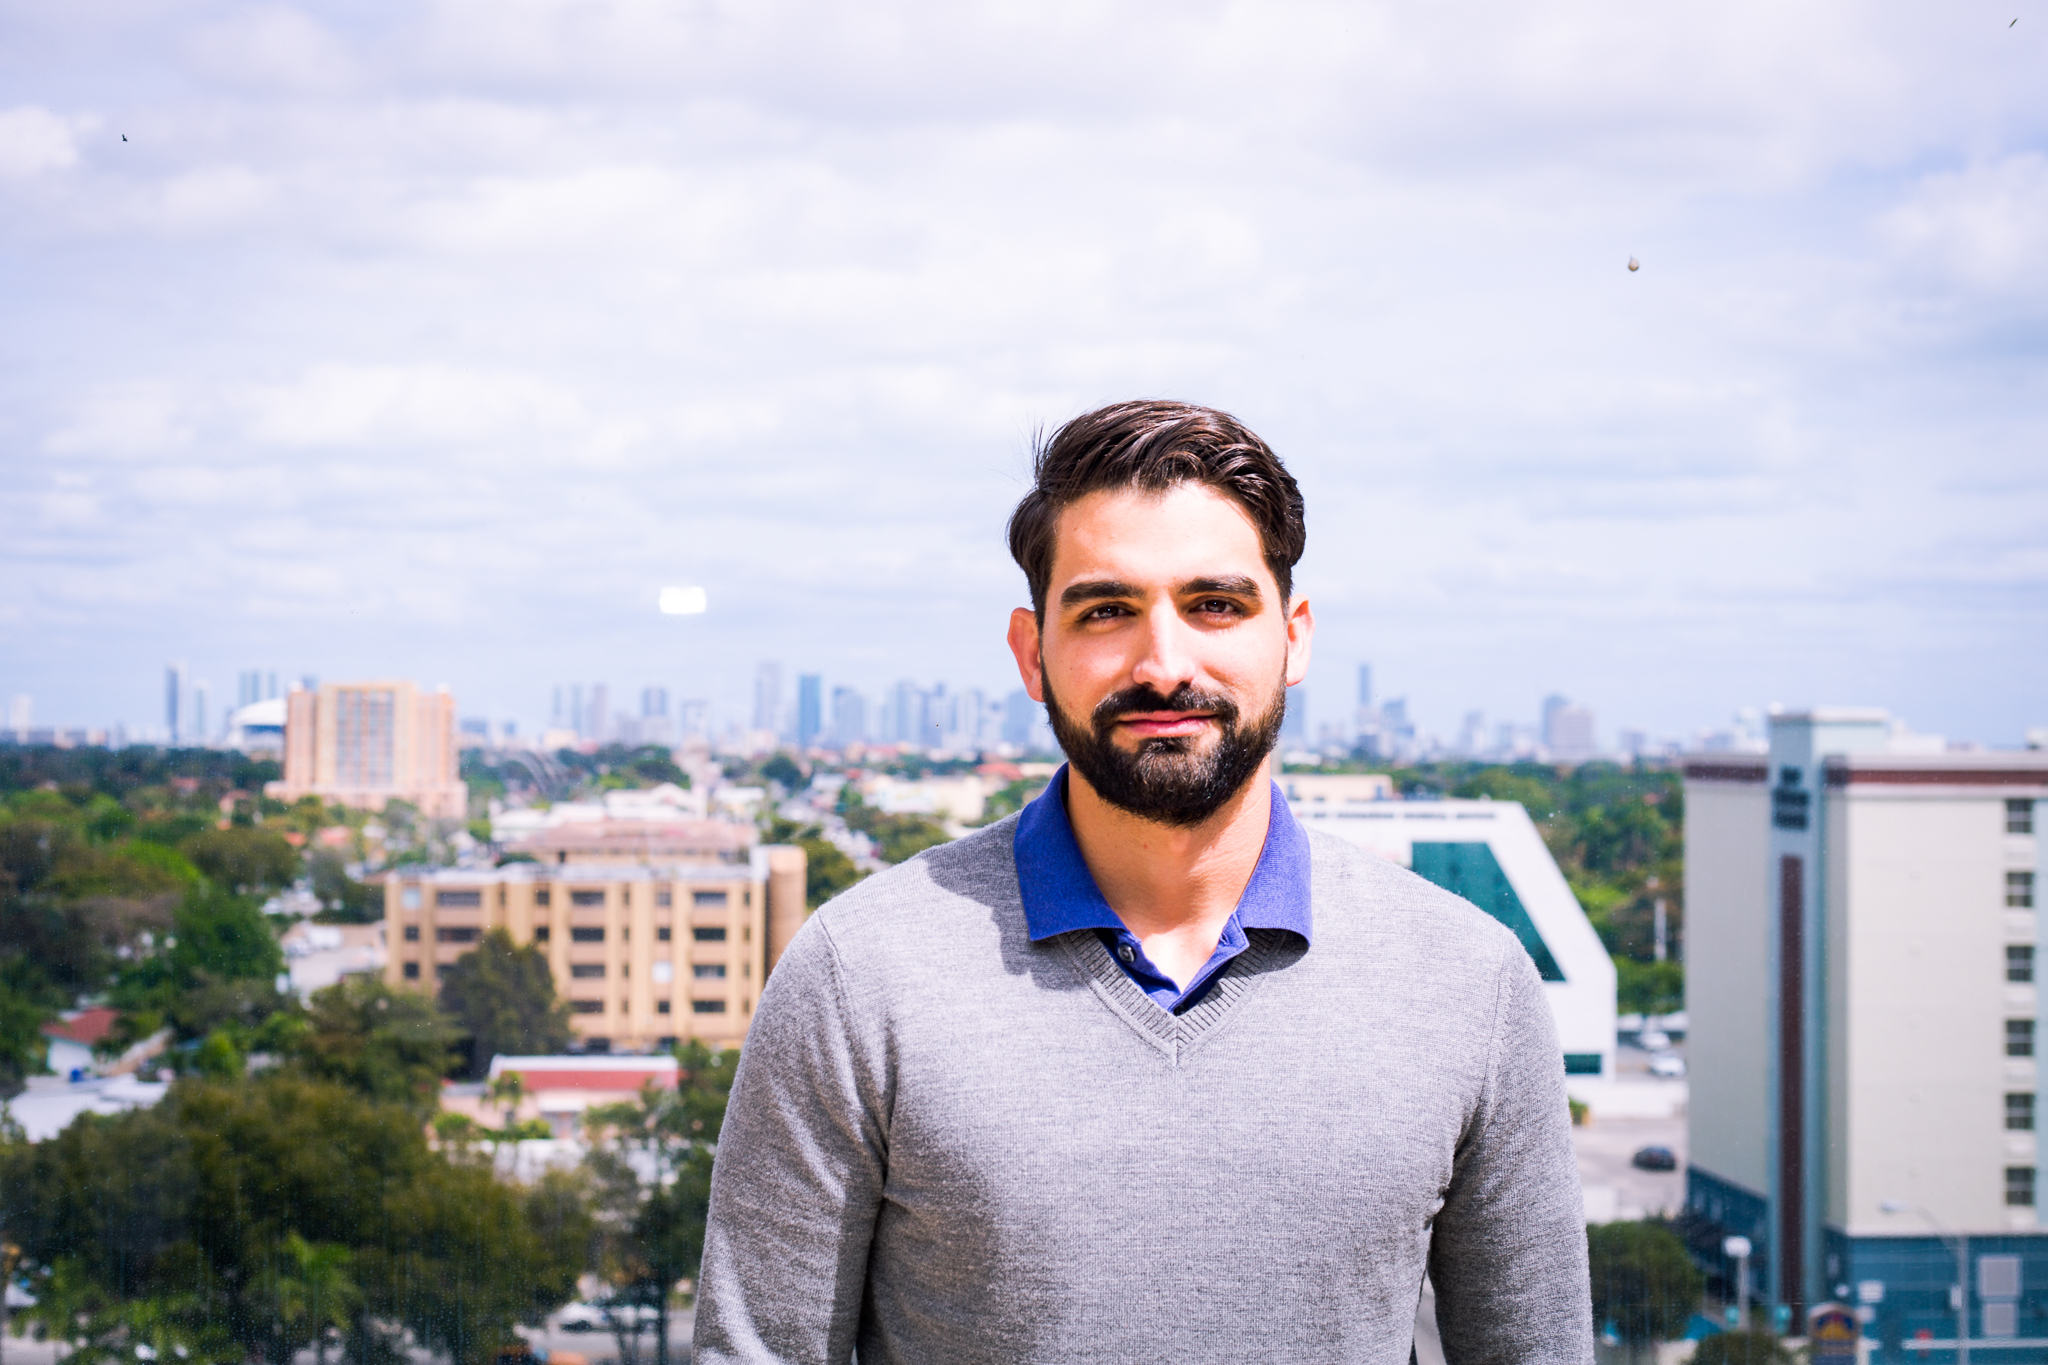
column 1739, row 1248
column 1959, row 1294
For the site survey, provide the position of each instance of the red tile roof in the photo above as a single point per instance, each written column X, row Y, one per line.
column 87, row 1026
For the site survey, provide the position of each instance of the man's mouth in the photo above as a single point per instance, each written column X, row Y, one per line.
column 1164, row 724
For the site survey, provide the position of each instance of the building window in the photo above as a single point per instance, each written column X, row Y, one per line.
column 709, row 971
column 2019, row 1037
column 586, row 898
column 410, row 898
column 661, row 1007
column 2019, row 1111
column 662, row 896
column 441, row 969
column 2019, row 815
column 2019, row 890
column 459, row 900
column 586, row 1007
column 586, row 936
column 707, row 898
column 412, row 971
column 662, row 933
column 1581, row 1063
column 708, row 935
column 2019, row 1186
column 457, row 935
column 412, row 933
column 718, row 1007
column 543, row 897
column 2019, row 962
column 664, row 972
column 587, row 971
column 541, row 933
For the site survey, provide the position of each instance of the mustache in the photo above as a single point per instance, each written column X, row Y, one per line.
column 1145, row 697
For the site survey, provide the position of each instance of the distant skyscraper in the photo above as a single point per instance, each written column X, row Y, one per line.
column 597, row 715
column 653, row 701
column 694, row 720
column 174, row 698
column 20, row 711
column 849, row 716
column 1294, row 725
column 1020, row 716
column 810, row 699
column 1365, row 685
column 1472, row 734
column 1567, row 730
column 364, row 744
column 907, row 712
column 768, row 698
column 199, row 692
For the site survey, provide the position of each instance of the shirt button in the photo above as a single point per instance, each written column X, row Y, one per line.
column 1126, row 954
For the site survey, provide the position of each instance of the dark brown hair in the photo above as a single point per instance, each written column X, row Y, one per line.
column 1155, row 444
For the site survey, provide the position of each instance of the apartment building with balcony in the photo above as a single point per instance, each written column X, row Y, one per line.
column 644, row 953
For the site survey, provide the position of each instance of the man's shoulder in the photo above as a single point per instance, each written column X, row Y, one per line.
column 945, row 888
column 1355, row 886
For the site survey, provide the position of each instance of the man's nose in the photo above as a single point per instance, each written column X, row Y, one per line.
column 1164, row 661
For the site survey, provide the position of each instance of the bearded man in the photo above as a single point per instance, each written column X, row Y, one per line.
column 1147, row 1072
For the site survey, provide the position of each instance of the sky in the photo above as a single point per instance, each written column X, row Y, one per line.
column 430, row 340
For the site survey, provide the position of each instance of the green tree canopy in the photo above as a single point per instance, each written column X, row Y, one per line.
column 243, row 859
column 502, row 997
column 390, row 1045
column 1742, row 1348
column 1644, row 1283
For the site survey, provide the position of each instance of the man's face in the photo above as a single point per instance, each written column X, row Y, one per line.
column 1166, row 651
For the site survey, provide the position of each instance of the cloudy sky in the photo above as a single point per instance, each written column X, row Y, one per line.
column 430, row 339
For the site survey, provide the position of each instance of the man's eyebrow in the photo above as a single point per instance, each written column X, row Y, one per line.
column 1096, row 590
column 1236, row 585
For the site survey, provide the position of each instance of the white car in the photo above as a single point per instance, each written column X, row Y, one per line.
column 1653, row 1040
column 1667, row 1064
column 596, row 1317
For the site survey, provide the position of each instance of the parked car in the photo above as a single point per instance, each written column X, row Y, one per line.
column 1653, row 1040
column 1655, row 1159
column 1668, row 1065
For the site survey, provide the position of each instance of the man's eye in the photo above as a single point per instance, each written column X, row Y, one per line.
column 1218, row 607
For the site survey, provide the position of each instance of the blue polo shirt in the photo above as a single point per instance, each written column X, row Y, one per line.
column 1060, row 895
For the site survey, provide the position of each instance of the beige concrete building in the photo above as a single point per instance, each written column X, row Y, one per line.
column 363, row 744
column 1861, row 945
column 645, row 953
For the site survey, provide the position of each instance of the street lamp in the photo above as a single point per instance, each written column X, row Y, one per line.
column 1739, row 1248
column 1959, row 1243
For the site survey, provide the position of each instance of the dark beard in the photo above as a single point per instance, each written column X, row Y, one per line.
column 1166, row 780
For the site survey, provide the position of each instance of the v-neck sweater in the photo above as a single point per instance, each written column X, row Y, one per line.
column 948, row 1143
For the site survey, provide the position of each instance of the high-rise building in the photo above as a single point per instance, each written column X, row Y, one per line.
column 174, row 703
column 597, row 721
column 768, row 698
column 365, row 744
column 1862, row 931
column 970, row 720
column 1294, row 723
column 653, row 702
column 1365, row 686
column 908, row 714
column 20, row 711
column 1020, row 717
column 694, row 719
column 199, row 694
column 1567, row 730
column 1472, row 734
column 849, row 716
column 810, row 709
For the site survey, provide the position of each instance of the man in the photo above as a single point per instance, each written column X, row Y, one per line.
column 1147, row 1072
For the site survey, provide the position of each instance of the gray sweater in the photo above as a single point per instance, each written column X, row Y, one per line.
column 948, row 1144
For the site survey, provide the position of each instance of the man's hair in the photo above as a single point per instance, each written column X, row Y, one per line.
column 1156, row 444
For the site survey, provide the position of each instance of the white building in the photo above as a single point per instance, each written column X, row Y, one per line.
column 1861, row 937
column 1490, row 853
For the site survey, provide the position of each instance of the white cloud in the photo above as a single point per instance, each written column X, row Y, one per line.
column 33, row 140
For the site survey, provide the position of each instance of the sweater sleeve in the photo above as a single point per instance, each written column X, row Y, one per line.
column 797, row 1180
column 1508, row 1254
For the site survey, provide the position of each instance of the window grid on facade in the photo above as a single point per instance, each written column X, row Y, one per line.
column 412, row 933
column 2019, row 890
column 2019, row 1186
column 2019, row 962
column 365, row 737
column 2019, row 815
column 2019, row 1111
column 2019, row 1037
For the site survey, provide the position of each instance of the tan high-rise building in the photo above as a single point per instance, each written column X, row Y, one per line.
column 363, row 744
column 645, row 953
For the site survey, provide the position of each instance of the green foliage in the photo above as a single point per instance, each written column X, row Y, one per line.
column 392, row 1046
column 782, row 769
column 1742, row 1348
column 1644, row 1283
column 1010, row 798
column 243, row 859
column 897, row 837
column 27, row 1001
column 827, row 869
column 1649, row 987
column 343, row 899
column 263, row 1209
column 651, row 1164
column 502, row 996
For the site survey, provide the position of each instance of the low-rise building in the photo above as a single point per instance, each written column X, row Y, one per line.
column 1490, row 853
column 1862, row 937
column 645, row 953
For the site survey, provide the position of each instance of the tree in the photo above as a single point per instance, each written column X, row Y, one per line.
column 392, row 1046
column 1742, row 1348
column 243, row 859
column 827, row 869
column 1644, row 1282
column 344, row 899
column 502, row 996
column 651, row 1161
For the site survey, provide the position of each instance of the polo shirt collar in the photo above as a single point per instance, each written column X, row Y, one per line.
column 1060, row 894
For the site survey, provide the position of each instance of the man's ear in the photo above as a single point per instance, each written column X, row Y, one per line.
column 1301, row 632
column 1028, row 646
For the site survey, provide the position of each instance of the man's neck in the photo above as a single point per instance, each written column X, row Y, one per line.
column 1173, row 887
